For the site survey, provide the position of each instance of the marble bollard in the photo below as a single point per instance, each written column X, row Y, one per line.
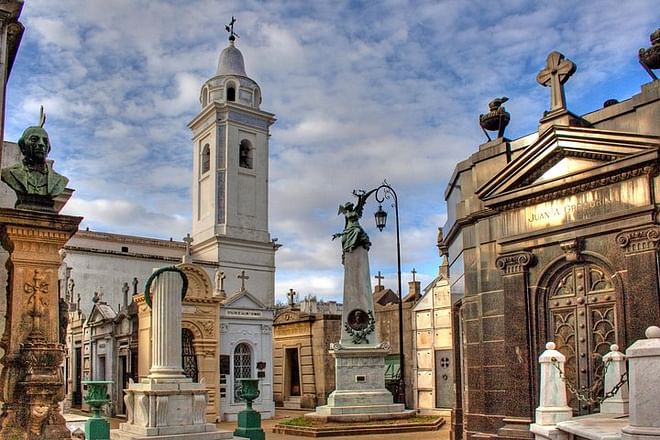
column 553, row 405
column 616, row 361
column 644, row 364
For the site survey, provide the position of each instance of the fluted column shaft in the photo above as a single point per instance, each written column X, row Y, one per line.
column 166, row 326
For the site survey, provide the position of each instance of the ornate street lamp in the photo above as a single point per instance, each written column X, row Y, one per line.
column 385, row 191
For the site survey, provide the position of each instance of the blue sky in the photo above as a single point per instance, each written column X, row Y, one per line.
column 363, row 91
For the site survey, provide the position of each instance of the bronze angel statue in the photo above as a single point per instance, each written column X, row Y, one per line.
column 353, row 236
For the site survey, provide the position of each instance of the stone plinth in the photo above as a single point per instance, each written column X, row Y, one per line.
column 31, row 381
column 644, row 363
column 170, row 410
column 360, row 393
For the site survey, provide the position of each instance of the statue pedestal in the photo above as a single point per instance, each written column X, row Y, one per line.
column 360, row 393
column 164, row 409
column 31, row 381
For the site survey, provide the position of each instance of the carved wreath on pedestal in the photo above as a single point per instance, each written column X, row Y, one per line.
column 359, row 324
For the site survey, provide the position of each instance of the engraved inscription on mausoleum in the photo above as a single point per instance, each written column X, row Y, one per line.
column 633, row 193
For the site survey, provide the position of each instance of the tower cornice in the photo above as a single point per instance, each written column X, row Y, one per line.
column 226, row 107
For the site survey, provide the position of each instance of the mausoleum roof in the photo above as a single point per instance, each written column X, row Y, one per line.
column 231, row 61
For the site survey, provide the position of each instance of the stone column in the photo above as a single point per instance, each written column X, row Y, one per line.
column 616, row 369
column 31, row 381
column 644, row 364
column 518, row 403
column 553, row 405
column 642, row 306
column 166, row 327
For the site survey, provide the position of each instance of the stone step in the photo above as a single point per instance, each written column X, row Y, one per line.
column 292, row 402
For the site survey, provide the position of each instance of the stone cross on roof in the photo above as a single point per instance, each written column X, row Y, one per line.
column 125, row 289
column 135, row 285
column 220, row 281
column 243, row 277
column 414, row 272
column 379, row 277
column 556, row 72
column 291, row 294
column 187, row 257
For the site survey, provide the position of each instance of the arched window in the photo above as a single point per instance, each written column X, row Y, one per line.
column 189, row 359
column 205, row 97
column 245, row 154
column 205, row 159
column 242, row 365
column 231, row 92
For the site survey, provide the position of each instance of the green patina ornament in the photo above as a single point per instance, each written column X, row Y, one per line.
column 33, row 180
column 353, row 236
column 249, row 420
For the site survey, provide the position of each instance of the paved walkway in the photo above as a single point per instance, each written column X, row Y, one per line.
column 442, row 434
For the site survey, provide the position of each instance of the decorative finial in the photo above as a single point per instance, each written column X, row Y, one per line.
column 556, row 72
column 413, row 272
column 230, row 28
column 496, row 119
column 42, row 116
column 650, row 58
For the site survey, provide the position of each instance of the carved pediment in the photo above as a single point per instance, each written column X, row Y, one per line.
column 564, row 157
column 199, row 283
column 244, row 300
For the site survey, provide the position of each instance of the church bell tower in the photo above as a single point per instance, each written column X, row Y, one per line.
column 230, row 178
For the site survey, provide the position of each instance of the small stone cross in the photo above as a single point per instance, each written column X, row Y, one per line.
column 557, row 71
column 291, row 295
column 243, row 277
column 414, row 272
column 135, row 285
column 187, row 258
column 379, row 277
column 220, row 281
column 125, row 289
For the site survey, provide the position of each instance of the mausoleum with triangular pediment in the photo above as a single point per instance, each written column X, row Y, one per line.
column 551, row 237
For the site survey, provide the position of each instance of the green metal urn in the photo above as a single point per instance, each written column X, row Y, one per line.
column 97, row 427
column 249, row 420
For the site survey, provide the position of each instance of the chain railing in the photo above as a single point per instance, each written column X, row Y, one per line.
column 586, row 394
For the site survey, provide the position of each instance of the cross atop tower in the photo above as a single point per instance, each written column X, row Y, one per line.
column 243, row 277
column 556, row 72
column 379, row 277
column 230, row 28
column 414, row 272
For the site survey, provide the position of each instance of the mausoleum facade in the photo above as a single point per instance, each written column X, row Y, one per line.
column 551, row 237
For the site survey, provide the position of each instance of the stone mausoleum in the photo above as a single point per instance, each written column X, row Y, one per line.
column 551, row 237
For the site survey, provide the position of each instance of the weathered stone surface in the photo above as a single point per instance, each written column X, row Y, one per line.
column 31, row 380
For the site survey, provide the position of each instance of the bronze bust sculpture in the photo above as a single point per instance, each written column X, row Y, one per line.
column 34, row 180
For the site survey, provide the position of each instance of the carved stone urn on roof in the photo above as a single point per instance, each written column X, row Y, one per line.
column 650, row 58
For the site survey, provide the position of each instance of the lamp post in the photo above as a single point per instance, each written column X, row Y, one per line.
column 382, row 192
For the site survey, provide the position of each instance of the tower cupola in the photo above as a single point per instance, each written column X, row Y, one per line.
column 231, row 83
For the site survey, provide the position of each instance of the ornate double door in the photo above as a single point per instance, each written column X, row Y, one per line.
column 582, row 316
